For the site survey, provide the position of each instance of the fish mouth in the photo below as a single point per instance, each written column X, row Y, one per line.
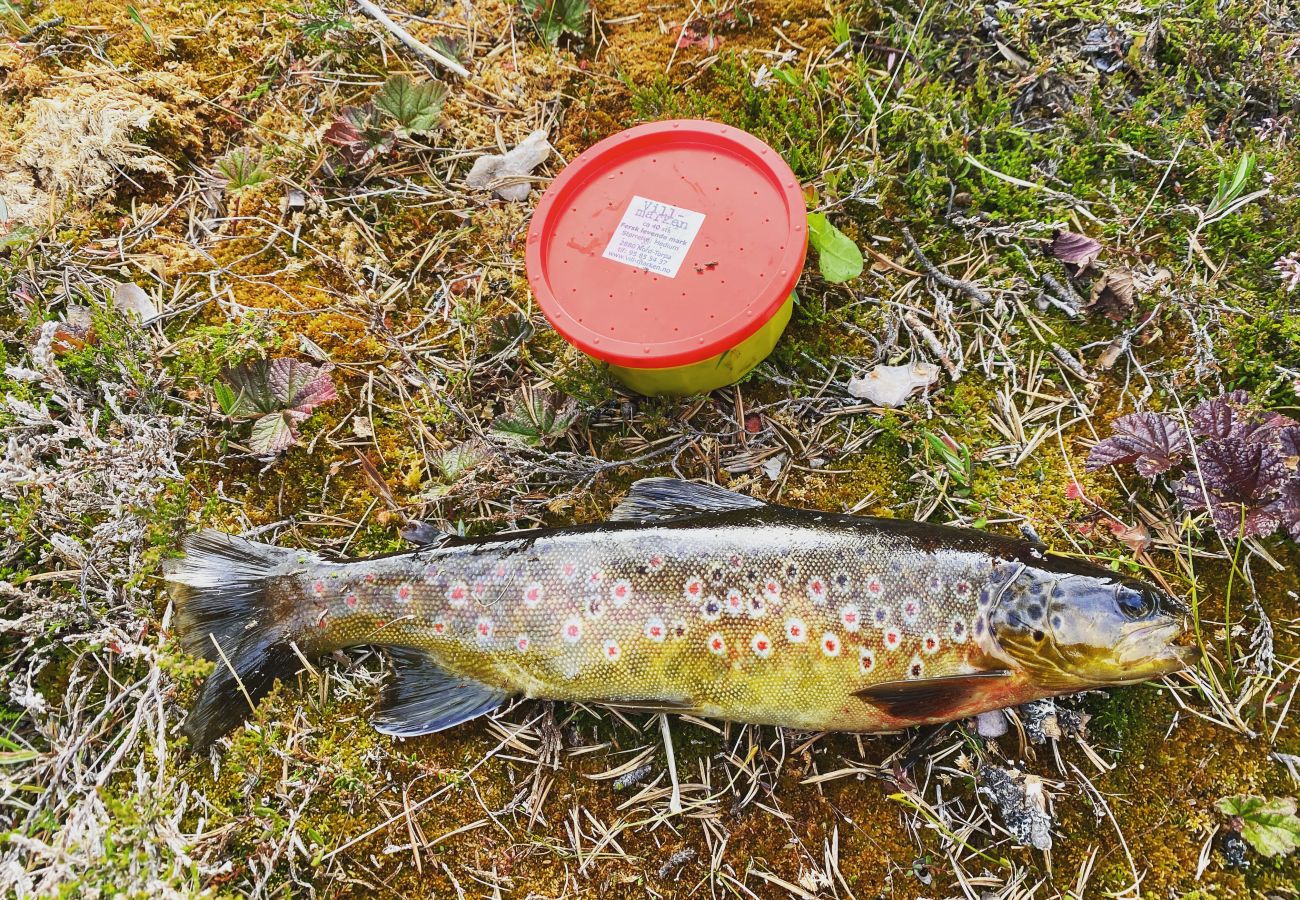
column 1153, row 650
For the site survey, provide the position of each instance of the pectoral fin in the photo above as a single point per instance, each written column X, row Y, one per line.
column 421, row 697
column 929, row 698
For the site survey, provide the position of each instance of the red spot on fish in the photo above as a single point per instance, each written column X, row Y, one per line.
column 621, row 592
column 533, row 594
column 351, row 601
column 458, row 594
column 522, row 643
column 930, row 643
column 830, row 644
column 761, row 645
column 571, row 630
column 795, row 630
column 318, row 587
column 403, row 593
column 817, row 591
column 892, row 639
column 694, row 588
column 655, row 561
column 850, row 617
column 439, row 627
column 612, row 650
column 866, row 659
column 370, row 578
column 568, row 569
column 874, row 586
column 717, row 644
column 655, row 629
column 485, row 629
column 735, row 602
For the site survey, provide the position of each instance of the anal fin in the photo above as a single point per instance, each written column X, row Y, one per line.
column 929, row 698
column 421, row 697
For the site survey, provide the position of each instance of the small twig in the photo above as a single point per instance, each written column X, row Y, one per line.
column 1070, row 363
column 1065, row 293
column 932, row 341
column 410, row 40
column 970, row 289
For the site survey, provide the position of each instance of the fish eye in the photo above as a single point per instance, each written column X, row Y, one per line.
column 1135, row 604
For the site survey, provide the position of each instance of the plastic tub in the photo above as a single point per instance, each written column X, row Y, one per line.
column 670, row 252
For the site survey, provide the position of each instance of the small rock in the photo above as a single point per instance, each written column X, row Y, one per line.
column 491, row 169
column 890, row 386
column 991, row 724
column 1022, row 801
column 130, row 297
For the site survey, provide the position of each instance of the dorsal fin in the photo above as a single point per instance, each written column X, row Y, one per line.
column 657, row 499
column 928, row 698
column 421, row 697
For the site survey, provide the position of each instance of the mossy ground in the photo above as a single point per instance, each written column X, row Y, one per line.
column 928, row 117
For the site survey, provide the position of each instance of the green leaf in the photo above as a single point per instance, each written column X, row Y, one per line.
column 553, row 18
column 272, row 434
column 837, row 256
column 242, row 169
column 536, row 417
column 416, row 105
column 1270, row 826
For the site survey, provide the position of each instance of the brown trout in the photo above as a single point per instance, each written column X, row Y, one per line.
column 691, row 598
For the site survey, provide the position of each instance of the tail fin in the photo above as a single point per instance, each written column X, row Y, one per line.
column 225, row 614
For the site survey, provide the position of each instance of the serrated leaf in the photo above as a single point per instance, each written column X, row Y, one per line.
column 272, row 434
column 838, row 258
column 415, row 105
column 1153, row 441
column 553, row 18
column 536, row 417
column 1270, row 826
column 1241, row 481
column 241, row 169
column 300, row 386
column 280, row 393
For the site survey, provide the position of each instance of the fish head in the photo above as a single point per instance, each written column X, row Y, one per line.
column 1070, row 625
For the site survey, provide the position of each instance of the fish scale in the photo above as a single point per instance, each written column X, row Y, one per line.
column 691, row 600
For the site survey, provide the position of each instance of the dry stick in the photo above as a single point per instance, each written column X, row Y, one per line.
column 970, row 289
column 410, row 40
column 932, row 341
column 675, row 801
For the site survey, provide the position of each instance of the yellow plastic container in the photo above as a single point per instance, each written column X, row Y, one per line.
column 670, row 253
column 726, row 368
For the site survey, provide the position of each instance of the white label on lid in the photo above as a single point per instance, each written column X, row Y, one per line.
column 654, row 236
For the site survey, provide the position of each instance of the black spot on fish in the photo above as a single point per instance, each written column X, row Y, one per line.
column 1056, row 622
column 1034, row 611
column 1038, row 635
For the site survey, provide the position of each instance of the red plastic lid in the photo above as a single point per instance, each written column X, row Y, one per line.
column 668, row 243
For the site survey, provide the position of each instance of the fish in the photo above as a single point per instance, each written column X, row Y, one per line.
column 690, row 598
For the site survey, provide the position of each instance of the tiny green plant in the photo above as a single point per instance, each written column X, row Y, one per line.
column 277, row 395
column 536, row 417
column 241, row 169
column 555, row 18
column 838, row 258
column 1270, row 826
column 416, row 106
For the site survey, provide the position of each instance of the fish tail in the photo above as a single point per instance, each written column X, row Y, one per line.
column 227, row 612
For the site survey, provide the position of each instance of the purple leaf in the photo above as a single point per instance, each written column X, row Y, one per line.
column 1076, row 250
column 1240, row 480
column 280, row 393
column 1287, row 507
column 300, row 386
column 1288, row 441
column 1153, row 441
